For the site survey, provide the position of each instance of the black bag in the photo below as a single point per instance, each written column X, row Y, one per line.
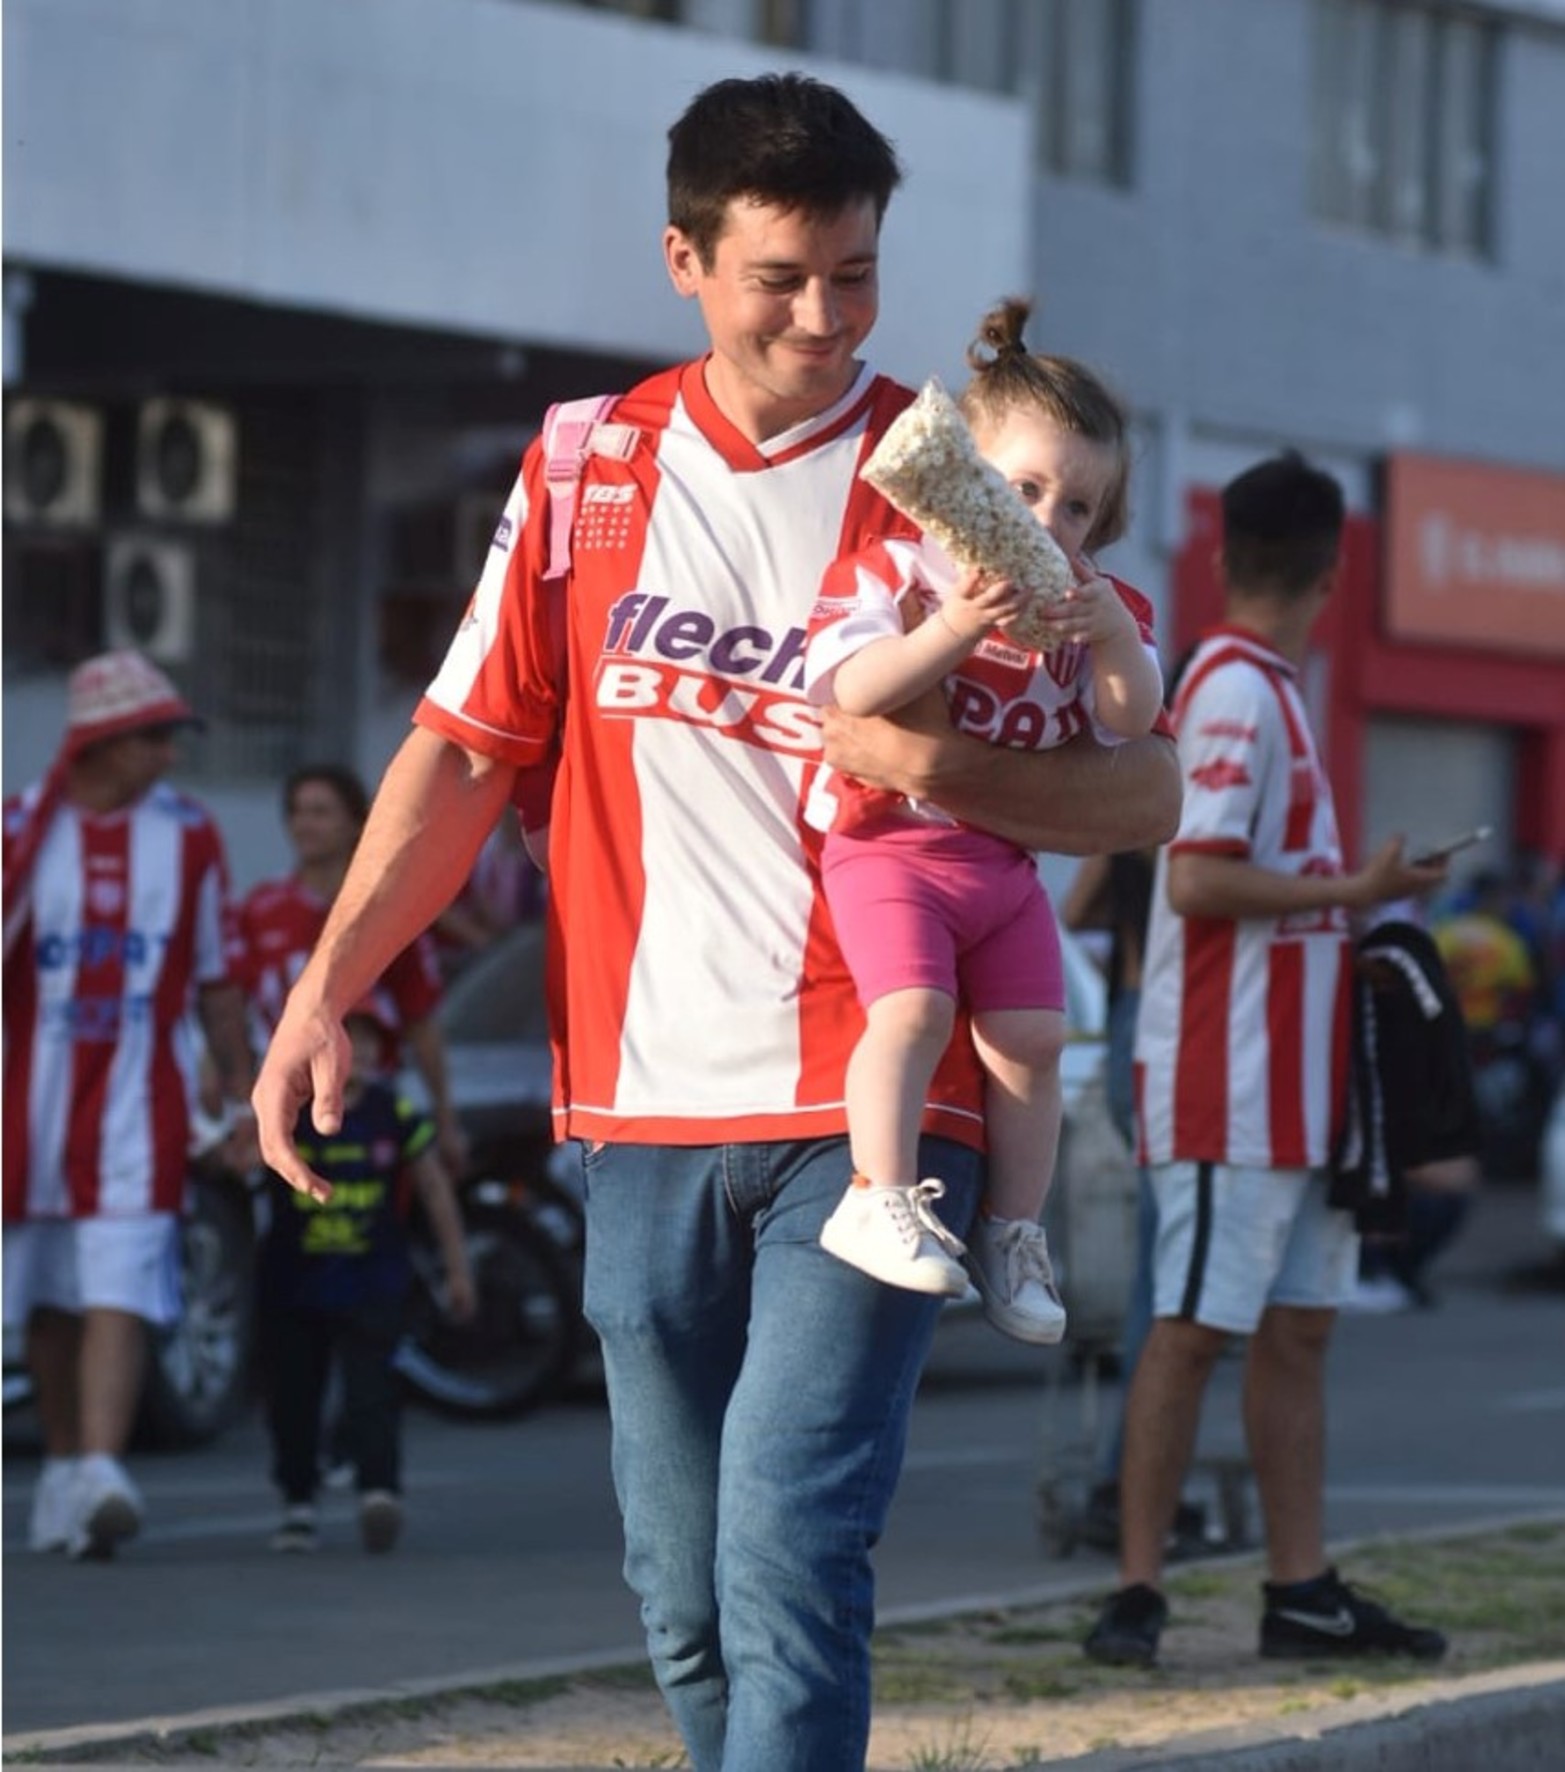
column 1410, row 1082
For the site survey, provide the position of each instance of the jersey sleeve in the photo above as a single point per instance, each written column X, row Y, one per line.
column 860, row 601
column 1226, row 728
column 498, row 690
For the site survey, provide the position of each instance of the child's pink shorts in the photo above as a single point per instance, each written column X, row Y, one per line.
column 943, row 909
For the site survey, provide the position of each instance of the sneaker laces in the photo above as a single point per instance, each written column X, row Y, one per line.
column 913, row 1212
column 1024, row 1256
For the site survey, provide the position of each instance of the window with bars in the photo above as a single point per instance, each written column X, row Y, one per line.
column 1083, row 62
column 1403, row 124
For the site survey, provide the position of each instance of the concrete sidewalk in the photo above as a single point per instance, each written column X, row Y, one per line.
column 1503, row 1720
column 1507, row 1721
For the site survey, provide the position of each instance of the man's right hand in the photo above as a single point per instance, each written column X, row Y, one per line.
column 1388, row 876
column 306, row 1063
column 897, row 751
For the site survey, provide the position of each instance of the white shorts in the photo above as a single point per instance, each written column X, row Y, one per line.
column 1232, row 1241
column 81, row 1264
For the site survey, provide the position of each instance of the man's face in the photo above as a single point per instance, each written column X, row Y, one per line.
column 787, row 300
column 320, row 827
column 136, row 761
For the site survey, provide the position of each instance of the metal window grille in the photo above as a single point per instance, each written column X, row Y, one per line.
column 1402, row 139
column 1083, row 58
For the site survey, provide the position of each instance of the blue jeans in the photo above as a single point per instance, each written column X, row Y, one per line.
column 759, row 1391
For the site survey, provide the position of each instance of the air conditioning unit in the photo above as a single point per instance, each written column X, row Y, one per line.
column 149, row 597
column 53, row 463
column 187, row 461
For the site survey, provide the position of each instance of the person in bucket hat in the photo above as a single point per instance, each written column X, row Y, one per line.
column 117, row 927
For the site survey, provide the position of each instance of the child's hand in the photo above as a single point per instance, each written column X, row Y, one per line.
column 977, row 603
column 1091, row 613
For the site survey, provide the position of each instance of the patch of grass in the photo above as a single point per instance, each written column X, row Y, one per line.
column 1046, row 1683
column 521, row 1694
column 1023, row 1634
column 920, row 1680
column 962, row 1752
column 1200, row 1584
column 633, row 1677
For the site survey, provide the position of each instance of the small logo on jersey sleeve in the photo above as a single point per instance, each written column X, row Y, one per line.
column 1220, row 773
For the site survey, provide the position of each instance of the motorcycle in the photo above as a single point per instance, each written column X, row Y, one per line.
column 523, row 1340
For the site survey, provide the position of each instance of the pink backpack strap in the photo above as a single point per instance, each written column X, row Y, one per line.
column 573, row 430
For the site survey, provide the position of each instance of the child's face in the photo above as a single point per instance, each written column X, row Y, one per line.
column 1062, row 477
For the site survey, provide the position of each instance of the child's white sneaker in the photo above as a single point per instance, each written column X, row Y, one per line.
column 54, row 1503
column 895, row 1235
column 1009, row 1261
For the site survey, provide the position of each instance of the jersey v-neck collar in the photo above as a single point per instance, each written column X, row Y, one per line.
column 1248, row 637
column 744, row 456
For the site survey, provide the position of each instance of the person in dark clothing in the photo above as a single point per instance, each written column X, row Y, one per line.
column 334, row 1279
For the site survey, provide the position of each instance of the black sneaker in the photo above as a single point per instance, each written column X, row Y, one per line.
column 1128, row 1628
column 1329, row 1617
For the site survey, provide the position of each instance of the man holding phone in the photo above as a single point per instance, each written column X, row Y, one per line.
column 1241, row 1067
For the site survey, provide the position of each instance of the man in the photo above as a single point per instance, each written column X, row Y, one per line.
column 324, row 807
column 759, row 1389
column 1241, row 1056
column 116, row 912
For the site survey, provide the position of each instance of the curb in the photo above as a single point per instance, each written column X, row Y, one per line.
column 1469, row 1722
column 1512, row 1720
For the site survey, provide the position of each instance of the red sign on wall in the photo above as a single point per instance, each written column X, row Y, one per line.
column 1475, row 555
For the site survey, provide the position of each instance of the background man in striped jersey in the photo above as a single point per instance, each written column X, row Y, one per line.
column 116, row 928
column 1241, row 1071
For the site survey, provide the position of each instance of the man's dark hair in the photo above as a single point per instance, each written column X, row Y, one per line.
column 1282, row 526
column 779, row 138
column 342, row 781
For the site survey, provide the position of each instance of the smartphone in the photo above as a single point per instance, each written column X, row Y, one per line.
column 1427, row 858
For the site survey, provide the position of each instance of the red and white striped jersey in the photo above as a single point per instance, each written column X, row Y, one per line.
column 696, row 991
column 129, row 913
column 1242, row 1037
column 1001, row 692
column 280, row 922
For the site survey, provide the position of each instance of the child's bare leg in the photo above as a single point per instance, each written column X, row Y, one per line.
column 888, row 1081
column 1008, row 1253
column 884, row 1223
column 1020, row 1052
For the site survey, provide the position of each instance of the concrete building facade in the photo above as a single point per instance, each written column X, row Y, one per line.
column 288, row 286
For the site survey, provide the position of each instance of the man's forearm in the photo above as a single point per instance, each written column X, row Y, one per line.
column 220, row 1008
column 1081, row 798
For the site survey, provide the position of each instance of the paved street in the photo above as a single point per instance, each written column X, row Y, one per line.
column 512, row 1551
